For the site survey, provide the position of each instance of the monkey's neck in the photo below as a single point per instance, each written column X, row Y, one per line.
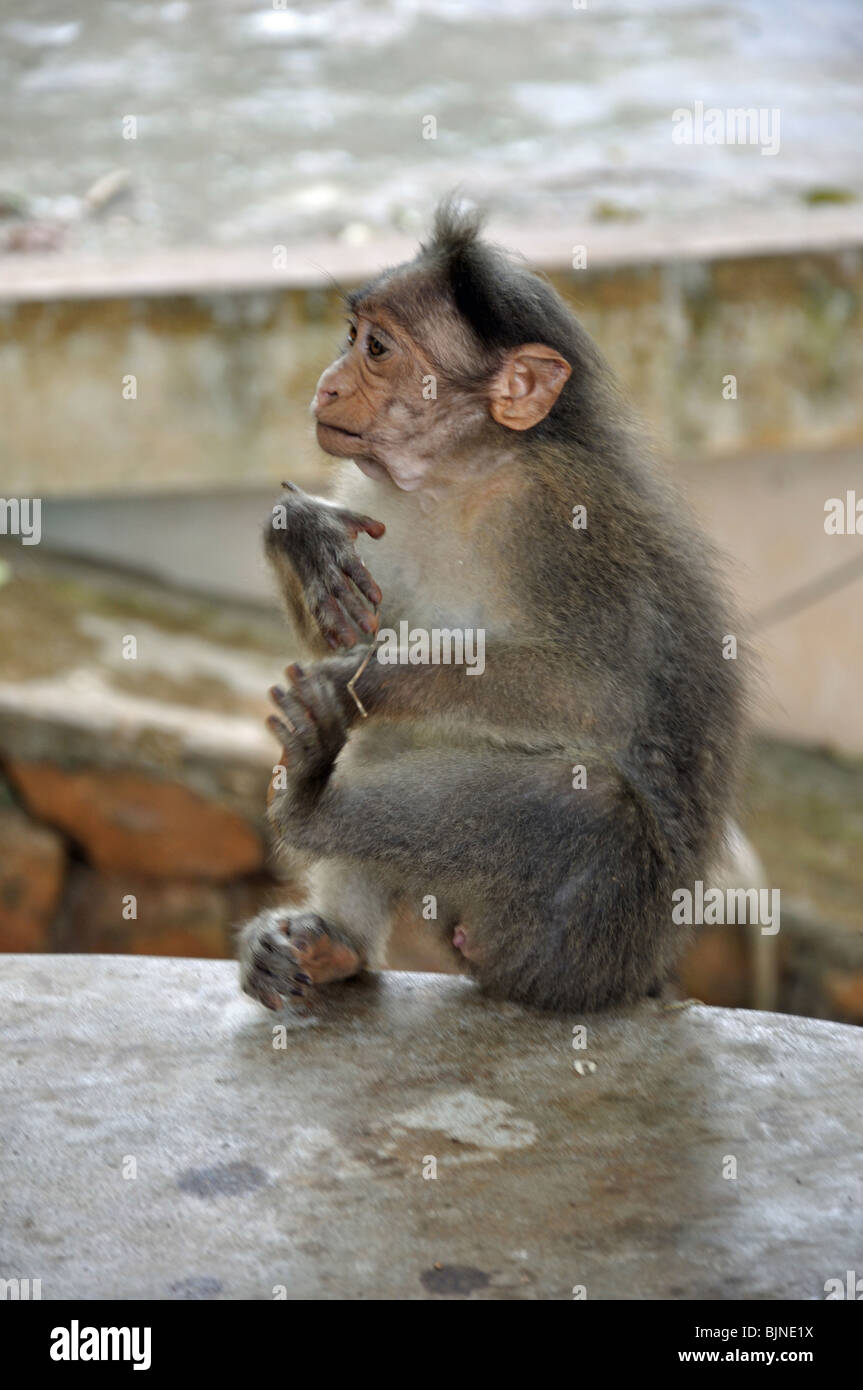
column 434, row 563
column 460, row 500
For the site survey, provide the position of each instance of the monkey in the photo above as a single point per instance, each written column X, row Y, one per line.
column 492, row 479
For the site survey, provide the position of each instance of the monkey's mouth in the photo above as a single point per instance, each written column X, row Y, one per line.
column 334, row 440
column 336, row 429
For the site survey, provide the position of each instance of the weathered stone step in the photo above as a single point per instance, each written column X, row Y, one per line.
column 165, row 1138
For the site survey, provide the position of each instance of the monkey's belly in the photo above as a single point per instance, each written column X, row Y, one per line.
column 372, row 744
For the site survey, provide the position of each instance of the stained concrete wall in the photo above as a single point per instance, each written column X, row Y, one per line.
column 226, row 352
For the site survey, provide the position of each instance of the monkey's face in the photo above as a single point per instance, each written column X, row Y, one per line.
column 386, row 405
column 357, row 394
column 388, row 402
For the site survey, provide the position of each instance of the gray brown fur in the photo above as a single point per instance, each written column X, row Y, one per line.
column 603, row 648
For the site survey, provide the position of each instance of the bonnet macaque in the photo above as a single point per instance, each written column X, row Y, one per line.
column 541, row 803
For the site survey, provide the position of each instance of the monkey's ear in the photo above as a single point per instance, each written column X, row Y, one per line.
column 527, row 386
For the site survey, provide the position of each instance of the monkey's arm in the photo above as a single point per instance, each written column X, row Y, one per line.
column 524, row 694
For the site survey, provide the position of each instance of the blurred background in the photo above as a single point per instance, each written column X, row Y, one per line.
column 184, row 190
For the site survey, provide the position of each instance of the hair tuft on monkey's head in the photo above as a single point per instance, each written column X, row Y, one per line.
column 455, row 228
column 504, row 302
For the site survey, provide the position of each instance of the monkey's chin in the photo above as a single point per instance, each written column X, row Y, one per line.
column 371, row 469
column 340, row 443
column 405, row 482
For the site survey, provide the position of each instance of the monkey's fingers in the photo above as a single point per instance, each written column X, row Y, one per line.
column 293, row 725
column 315, row 712
column 282, row 733
column 267, row 997
column 313, row 691
column 334, row 623
column 257, row 989
column 354, row 568
column 354, row 522
column 291, row 714
column 355, row 605
column 320, row 703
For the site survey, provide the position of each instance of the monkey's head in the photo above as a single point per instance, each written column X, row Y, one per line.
column 450, row 361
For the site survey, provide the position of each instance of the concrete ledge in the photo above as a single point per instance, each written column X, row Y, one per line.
column 311, row 265
column 302, row 1166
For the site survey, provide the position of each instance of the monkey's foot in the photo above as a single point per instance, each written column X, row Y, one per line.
column 287, row 954
column 310, row 722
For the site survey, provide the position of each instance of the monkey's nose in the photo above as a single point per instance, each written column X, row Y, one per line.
column 324, row 396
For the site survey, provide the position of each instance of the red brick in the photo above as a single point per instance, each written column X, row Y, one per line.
column 32, row 870
column 185, row 918
column 844, row 991
column 129, row 823
column 715, row 967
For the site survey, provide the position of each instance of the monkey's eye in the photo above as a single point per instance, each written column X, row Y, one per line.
column 376, row 348
column 352, row 334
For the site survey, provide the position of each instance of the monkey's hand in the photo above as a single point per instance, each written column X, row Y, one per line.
column 310, row 723
column 315, row 538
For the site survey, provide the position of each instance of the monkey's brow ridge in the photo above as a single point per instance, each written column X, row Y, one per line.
column 362, row 303
column 355, row 299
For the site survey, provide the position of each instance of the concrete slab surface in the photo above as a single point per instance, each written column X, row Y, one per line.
column 158, row 1139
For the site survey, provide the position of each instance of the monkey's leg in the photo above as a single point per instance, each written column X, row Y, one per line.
column 565, row 893
column 433, row 815
column 343, row 925
column 340, row 930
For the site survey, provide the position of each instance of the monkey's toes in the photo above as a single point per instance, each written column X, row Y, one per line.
column 320, row 953
column 284, row 955
column 267, row 967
